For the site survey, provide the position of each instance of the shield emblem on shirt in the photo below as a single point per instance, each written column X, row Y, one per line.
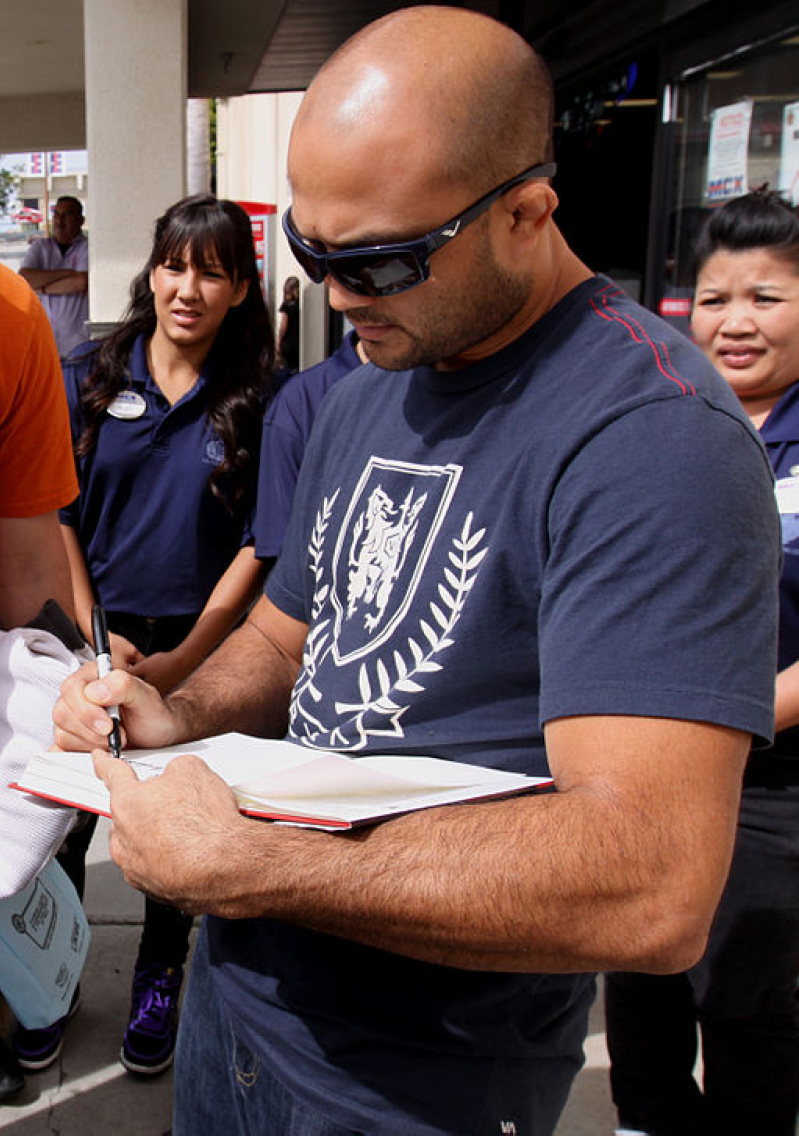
column 395, row 514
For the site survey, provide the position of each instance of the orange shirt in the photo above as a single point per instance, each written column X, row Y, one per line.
column 37, row 469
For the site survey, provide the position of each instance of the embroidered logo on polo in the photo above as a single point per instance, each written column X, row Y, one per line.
column 214, row 451
column 369, row 620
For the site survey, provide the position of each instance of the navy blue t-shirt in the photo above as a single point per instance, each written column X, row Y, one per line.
column 582, row 524
column 287, row 426
column 155, row 538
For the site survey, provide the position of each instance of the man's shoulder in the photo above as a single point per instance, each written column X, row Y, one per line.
column 621, row 353
column 304, row 392
column 37, row 252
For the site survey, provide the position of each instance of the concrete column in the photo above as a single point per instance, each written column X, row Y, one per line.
column 136, row 53
column 252, row 149
column 198, row 140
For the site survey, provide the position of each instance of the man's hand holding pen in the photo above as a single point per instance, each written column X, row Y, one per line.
column 102, row 650
column 82, row 713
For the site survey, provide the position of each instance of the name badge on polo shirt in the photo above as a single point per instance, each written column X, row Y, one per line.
column 787, row 491
column 128, row 404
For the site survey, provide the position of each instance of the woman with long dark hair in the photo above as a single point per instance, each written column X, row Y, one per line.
column 166, row 418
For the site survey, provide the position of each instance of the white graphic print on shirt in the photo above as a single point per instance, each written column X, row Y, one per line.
column 370, row 618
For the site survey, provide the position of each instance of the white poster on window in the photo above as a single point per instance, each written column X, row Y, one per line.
column 728, row 151
column 789, row 158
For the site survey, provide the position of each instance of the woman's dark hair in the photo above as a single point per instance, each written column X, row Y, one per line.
column 242, row 353
column 761, row 219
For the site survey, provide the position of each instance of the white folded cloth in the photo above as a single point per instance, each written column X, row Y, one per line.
column 33, row 665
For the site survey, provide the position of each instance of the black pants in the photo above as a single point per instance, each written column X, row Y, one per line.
column 165, row 936
column 743, row 995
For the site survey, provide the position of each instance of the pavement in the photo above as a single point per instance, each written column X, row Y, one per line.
column 87, row 1091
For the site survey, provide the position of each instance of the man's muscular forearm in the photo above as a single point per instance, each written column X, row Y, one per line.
column 503, row 886
column 245, row 685
column 621, row 869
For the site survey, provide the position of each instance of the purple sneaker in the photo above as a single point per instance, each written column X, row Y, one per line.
column 36, row 1049
column 149, row 1043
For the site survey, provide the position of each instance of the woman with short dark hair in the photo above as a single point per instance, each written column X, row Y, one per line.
column 743, row 993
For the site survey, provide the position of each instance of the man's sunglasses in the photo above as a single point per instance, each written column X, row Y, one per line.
column 385, row 270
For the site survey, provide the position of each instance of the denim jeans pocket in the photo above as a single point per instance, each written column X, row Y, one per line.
column 245, row 1064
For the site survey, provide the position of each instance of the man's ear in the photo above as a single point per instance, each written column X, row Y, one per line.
column 531, row 204
column 525, row 216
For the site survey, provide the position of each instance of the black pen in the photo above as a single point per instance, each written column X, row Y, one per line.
column 102, row 650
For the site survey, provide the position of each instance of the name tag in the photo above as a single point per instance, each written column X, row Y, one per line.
column 787, row 491
column 128, row 404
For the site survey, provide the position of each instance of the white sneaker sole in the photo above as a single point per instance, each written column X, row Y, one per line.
column 145, row 1070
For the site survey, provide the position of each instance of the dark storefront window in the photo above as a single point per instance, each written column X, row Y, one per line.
column 733, row 126
column 604, row 146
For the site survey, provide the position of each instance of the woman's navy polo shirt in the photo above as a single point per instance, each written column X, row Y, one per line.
column 155, row 538
column 780, row 435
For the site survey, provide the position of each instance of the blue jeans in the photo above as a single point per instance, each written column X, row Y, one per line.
column 221, row 1087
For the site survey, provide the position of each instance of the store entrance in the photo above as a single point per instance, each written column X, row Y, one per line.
column 604, row 147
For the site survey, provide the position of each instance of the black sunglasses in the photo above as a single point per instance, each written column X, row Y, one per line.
column 384, row 270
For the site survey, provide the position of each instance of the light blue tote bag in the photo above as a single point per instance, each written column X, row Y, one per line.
column 44, row 937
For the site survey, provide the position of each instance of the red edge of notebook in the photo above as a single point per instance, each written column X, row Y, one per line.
column 259, row 814
column 56, row 800
column 295, row 818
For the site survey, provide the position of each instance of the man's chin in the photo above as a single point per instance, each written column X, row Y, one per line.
column 388, row 358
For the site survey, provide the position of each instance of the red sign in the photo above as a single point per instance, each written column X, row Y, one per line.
column 671, row 306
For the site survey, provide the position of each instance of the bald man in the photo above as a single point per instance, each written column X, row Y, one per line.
column 533, row 533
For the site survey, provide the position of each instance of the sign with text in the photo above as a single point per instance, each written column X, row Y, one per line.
column 789, row 157
column 728, row 152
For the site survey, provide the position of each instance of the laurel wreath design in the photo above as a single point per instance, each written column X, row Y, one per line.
column 404, row 674
column 319, row 632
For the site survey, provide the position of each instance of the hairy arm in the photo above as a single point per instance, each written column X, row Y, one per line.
column 33, row 568
column 245, row 685
column 620, row 869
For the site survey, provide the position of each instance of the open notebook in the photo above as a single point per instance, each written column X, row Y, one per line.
column 287, row 782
